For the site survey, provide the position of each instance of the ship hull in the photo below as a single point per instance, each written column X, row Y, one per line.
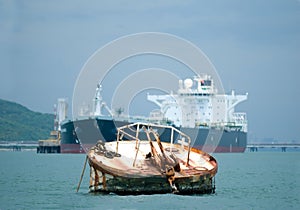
column 78, row 136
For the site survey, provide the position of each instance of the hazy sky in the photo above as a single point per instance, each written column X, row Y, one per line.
column 254, row 45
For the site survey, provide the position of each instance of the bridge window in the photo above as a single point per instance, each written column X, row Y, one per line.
column 205, row 82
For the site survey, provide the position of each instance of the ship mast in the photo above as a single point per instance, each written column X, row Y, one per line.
column 98, row 101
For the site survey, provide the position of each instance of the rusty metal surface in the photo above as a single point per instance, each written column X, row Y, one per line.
column 146, row 166
column 166, row 171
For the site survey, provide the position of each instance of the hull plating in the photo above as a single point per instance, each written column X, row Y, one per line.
column 78, row 136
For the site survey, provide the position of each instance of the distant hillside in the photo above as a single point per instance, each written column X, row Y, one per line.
column 17, row 123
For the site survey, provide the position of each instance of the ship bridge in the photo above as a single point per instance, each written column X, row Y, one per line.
column 197, row 103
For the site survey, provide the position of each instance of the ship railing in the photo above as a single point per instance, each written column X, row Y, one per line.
column 230, row 125
column 149, row 128
column 220, row 125
column 239, row 118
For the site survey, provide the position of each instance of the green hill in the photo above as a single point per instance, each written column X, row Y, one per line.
column 17, row 123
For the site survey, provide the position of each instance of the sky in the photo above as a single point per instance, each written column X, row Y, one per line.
column 254, row 46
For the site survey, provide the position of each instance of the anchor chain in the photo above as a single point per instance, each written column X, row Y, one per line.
column 100, row 149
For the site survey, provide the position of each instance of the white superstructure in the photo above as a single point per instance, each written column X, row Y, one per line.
column 60, row 112
column 197, row 103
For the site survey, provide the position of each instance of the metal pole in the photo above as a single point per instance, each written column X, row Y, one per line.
column 82, row 173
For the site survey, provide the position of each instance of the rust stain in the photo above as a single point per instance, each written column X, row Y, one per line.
column 137, row 167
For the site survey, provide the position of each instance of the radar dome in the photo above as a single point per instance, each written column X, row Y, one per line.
column 188, row 83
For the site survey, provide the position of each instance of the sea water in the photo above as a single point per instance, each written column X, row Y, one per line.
column 258, row 180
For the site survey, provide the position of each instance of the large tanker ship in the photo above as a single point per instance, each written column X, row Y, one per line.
column 197, row 109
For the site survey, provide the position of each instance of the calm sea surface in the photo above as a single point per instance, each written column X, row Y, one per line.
column 259, row 180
